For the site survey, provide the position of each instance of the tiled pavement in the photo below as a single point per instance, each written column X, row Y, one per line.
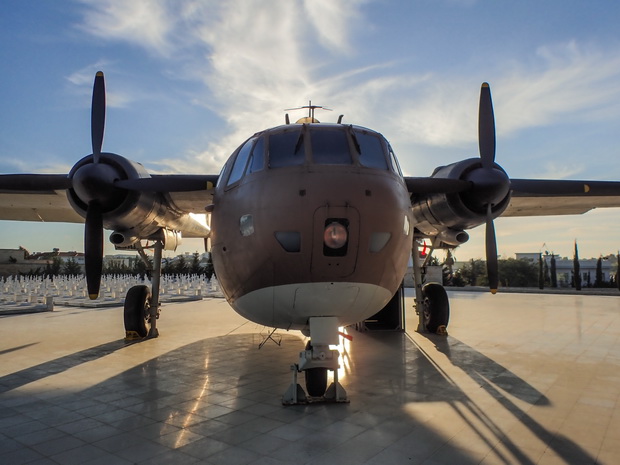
column 520, row 379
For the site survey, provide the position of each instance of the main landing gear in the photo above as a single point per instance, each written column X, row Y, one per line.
column 315, row 361
column 141, row 310
column 432, row 304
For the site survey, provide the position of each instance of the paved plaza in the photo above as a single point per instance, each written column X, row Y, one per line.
column 521, row 379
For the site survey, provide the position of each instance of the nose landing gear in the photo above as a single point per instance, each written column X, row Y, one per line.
column 315, row 361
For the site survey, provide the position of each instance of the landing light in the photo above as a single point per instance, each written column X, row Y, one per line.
column 335, row 235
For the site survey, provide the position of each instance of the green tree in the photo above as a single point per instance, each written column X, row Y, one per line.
column 541, row 276
column 116, row 268
column 546, row 274
column 54, row 268
column 140, row 268
column 599, row 281
column 517, row 273
column 554, row 273
column 166, row 267
column 195, row 267
column 472, row 273
column 209, row 269
column 32, row 273
column 576, row 269
column 181, row 266
column 72, row 268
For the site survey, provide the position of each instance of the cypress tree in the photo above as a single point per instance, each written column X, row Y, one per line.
column 576, row 269
column 554, row 276
column 541, row 277
column 598, row 279
column 618, row 270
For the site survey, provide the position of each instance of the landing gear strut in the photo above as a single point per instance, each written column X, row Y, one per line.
column 142, row 305
column 435, row 308
column 431, row 299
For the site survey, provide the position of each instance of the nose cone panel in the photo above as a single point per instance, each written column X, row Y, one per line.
column 289, row 306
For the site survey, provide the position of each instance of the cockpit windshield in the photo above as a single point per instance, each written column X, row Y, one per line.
column 330, row 147
column 286, row 149
column 370, row 150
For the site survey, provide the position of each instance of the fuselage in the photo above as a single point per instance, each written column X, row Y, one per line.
column 311, row 220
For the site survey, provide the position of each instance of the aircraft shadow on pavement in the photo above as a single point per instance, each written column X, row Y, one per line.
column 199, row 387
column 53, row 367
column 495, row 378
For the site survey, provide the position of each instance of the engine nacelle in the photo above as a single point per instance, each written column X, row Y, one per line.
column 133, row 215
column 455, row 212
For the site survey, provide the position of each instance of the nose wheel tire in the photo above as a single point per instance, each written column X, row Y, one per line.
column 436, row 308
column 316, row 381
column 136, row 311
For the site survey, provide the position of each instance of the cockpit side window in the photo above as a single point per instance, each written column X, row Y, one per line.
column 257, row 160
column 286, row 149
column 330, row 147
column 220, row 179
column 371, row 152
column 394, row 161
column 240, row 161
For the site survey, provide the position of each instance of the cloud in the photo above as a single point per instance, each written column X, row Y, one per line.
column 146, row 23
column 255, row 58
column 81, row 82
column 566, row 81
column 331, row 20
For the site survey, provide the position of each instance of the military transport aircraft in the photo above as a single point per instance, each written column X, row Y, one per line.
column 311, row 224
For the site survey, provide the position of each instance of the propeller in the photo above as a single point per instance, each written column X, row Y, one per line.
column 491, row 183
column 93, row 230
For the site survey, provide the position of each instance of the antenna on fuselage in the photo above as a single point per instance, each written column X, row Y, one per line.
column 310, row 118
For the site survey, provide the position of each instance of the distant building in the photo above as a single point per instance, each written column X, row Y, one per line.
column 14, row 262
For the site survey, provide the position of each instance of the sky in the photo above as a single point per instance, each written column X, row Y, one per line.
column 189, row 80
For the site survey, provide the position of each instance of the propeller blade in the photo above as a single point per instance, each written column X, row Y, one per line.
column 97, row 116
column 491, row 249
column 34, row 182
column 93, row 248
column 486, row 127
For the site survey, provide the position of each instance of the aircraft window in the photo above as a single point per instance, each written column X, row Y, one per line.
column 257, row 159
column 394, row 161
column 239, row 167
column 371, row 153
column 330, row 147
column 286, row 149
column 221, row 176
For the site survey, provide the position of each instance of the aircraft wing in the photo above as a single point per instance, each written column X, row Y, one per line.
column 46, row 206
column 34, row 197
column 540, row 197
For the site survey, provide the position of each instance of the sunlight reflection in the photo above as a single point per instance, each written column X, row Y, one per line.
column 343, row 347
column 189, row 417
